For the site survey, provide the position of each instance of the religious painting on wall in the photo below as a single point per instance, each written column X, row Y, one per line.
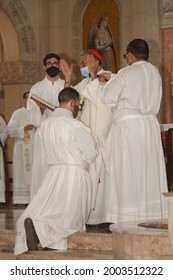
column 101, row 31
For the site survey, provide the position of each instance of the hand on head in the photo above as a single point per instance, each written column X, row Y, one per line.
column 93, row 65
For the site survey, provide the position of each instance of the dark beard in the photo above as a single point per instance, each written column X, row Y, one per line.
column 75, row 111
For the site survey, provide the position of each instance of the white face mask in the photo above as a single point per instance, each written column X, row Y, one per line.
column 85, row 72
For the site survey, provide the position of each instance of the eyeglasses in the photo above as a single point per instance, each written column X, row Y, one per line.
column 49, row 64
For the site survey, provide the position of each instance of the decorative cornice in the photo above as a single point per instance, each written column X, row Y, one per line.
column 24, row 71
column 19, row 72
column 166, row 13
column 167, row 6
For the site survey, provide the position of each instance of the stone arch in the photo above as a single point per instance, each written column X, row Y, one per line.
column 9, row 39
column 19, row 65
column 23, row 27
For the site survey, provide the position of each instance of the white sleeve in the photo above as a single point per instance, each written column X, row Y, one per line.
column 112, row 90
column 35, row 115
column 85, row 143
column 3, row 130
column 13, row 128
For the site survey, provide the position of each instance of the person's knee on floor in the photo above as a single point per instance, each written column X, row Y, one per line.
column 31, row 235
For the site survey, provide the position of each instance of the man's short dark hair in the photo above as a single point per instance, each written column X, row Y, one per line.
column 68, row 94
column 25, row 95
column 139, row 48
column 50, row 55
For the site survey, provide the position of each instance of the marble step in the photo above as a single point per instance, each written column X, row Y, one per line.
column 81, row 240
column 82, row 245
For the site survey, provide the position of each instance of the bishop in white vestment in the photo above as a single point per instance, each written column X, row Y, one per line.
column 98, row 117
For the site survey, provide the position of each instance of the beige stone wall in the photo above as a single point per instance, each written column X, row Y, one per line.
column 52, row 25
column 141, row 19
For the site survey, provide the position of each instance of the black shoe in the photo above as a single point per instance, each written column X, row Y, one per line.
column 31, row 235
column 100, row 228
column 48, row 249
column 21, row 206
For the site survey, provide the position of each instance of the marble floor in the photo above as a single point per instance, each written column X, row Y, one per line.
column 9, row 215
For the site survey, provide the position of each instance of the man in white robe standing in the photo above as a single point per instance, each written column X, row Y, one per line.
column 63, row 202
column 19, row 127
column 98, row 117
column 3, row 137
column 137, row 168
column 47, row 89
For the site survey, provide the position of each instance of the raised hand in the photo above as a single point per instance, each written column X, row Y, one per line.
column 66, row 69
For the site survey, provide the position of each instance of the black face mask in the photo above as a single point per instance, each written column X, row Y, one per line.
column 52, row 71
column 75, row 111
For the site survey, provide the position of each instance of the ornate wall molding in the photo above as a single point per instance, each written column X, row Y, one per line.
column 167, row 6
column 23, row 26
column 19, row 72
column 26, row 70
column 166, row 13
